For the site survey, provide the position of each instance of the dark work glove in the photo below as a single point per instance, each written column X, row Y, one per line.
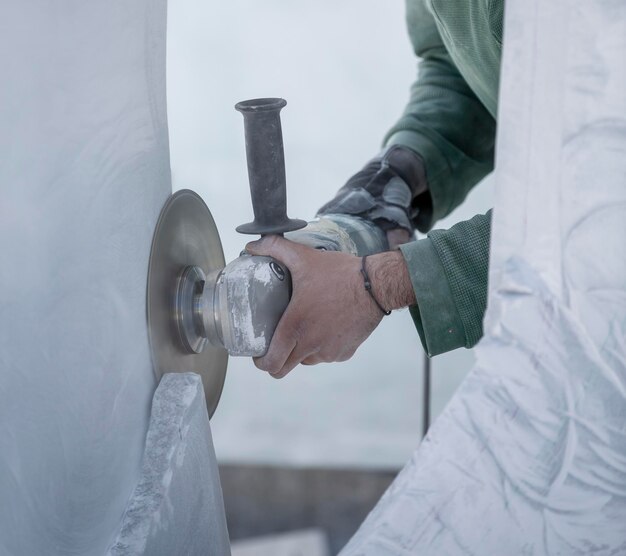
column 390, row 191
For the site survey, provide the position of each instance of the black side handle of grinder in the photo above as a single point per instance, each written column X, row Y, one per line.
column 266, row 167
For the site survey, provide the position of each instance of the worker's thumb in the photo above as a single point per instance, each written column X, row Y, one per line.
column 283, row 250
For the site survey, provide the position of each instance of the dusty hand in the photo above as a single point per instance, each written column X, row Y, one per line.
column 330, row 313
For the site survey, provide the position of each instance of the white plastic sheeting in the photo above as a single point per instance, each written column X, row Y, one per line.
column 530, row 455
column 84, row 171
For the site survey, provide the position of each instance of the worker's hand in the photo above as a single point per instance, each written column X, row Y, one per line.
column 330, row 313
column 388, row 191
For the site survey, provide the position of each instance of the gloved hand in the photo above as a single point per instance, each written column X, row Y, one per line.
column 385, row 191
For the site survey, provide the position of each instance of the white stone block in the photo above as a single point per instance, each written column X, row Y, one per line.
column 177, row 506
column 530, row 455
column 84, row 171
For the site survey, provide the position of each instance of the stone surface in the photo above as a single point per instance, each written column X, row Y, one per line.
column 177, row 507
column 84, row 171
column 530, row 455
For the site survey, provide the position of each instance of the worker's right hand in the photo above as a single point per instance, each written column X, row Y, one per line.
column 330, row 313
column 385, row 192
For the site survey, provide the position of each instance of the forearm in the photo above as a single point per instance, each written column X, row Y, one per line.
column 391, row 282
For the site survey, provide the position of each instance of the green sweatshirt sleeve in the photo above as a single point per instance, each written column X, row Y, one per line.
column 449, row 272
column 444, row 122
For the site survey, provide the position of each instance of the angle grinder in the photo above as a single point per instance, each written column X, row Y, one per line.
column 199, row 309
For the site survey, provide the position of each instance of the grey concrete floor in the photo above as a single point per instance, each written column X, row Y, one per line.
column 269, row 500
column 308, row 542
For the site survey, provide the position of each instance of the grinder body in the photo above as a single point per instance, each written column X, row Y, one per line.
column 239, row 307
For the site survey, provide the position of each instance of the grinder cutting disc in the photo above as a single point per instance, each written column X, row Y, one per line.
column 185, row 236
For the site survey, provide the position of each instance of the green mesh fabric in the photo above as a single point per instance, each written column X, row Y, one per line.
column 496, row 19
column 464, row 254
column 468, row 29
column 449, row 119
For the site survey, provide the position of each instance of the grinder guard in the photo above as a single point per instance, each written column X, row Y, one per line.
column 185, row 235
column 200, row 311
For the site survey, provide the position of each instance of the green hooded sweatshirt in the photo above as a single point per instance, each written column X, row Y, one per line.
column 450, row 122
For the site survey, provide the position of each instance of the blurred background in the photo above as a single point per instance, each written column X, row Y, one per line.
column 316, row 449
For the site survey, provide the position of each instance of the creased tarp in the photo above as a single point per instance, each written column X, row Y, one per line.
column 530, row 455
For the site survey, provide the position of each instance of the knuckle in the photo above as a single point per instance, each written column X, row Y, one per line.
column 324, row 357
column 312, row 360
column 260, row 363
column 272, row 366
column 347, row 354
column 267, row 363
